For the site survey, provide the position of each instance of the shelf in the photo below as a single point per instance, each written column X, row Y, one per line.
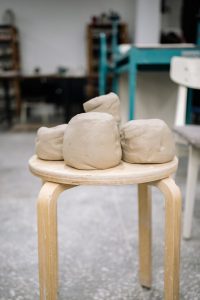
column 104, row 25
column 9, row 65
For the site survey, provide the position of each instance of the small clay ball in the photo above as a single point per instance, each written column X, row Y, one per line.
column 147, row 141
column 109, row 103
column 49, row 142
column 92, row 141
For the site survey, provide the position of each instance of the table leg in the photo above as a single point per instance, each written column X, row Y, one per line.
column 115, row 83
column 172, row 236
column 47, row 239
column 144, row 208
column 16, row 84
column 132, row 84
column 102, row 65
column 8, row 113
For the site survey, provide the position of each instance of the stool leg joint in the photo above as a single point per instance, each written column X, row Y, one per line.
column 47, row 239
column 172, row 196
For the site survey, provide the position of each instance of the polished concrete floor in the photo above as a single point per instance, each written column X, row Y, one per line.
column 98, row 240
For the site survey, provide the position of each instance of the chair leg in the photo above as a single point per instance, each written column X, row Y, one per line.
column 192, row 176
column 144, row 207
column 172, row 236
column 47, row 239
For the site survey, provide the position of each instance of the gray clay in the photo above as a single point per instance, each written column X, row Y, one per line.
column 49, row 142
column 109, row 103
column 147, row 141
column 92, row 141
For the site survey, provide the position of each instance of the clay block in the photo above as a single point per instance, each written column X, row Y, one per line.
column 109, row 103
column 147, row 141
column 49, row 142
column 92, row 141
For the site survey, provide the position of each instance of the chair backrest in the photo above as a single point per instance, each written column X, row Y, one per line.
column 184, row 71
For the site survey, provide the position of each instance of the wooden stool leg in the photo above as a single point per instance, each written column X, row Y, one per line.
column 172, row 236
column 144, row 207
column 47, row 239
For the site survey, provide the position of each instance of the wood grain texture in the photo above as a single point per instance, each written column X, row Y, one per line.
column 124, row 173
column 172, row 196
column 144, row 210
column 47, row 239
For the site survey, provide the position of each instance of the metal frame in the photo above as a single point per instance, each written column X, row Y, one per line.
column 136, row 57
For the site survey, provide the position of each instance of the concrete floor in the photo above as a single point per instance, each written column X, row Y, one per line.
column 98, row 237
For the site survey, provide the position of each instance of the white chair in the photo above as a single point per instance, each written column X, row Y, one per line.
column 186, row 72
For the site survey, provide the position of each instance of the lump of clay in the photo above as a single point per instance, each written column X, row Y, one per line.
column 147, row 141
column 107, row 103
column 92, row 141
column 49, row 142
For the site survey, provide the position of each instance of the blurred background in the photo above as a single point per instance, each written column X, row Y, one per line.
column 50, row 58
column 49, row 54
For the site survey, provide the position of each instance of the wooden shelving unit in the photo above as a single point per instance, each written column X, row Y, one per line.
column 9, row 65
column 93, row 48
column 9, row 48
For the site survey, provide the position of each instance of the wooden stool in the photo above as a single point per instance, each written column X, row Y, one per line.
column 58, row 177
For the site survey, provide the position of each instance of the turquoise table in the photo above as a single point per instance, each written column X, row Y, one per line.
column 155, row 57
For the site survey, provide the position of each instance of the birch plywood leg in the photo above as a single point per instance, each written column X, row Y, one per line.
column 144, row 207
column 172, row 236
column 47, row 239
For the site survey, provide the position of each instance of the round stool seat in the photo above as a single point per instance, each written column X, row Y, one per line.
column 124, row 173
